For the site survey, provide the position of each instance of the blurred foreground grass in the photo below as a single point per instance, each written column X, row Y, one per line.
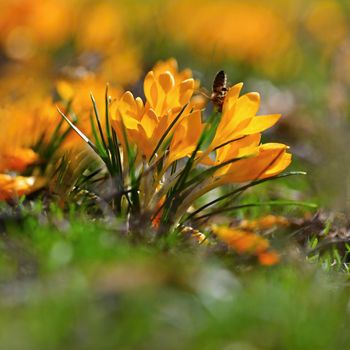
column 78, row 285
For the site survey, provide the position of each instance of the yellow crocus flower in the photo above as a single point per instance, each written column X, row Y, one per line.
column 167, row 93
column 239, row 116
column 16, row 186
column 238, row 136
column 247, row 242
column 17, row 158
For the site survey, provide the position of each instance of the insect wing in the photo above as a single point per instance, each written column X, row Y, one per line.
column 220, row 82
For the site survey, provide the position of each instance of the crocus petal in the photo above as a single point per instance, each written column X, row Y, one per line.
column 129, row 123
column 281, row 163
column 149, row 122
column 139, row 104
column 194, row 127
column 186, row 89
column 246, row 107
column 271, row 160
column 238, row 148
column 236, row 116
column 128, row 99
column 166, row 81
column 186, row 136
column 231, row 96
column 261, row 123
column 150, row 89
column 205, row 159
column 143, row 142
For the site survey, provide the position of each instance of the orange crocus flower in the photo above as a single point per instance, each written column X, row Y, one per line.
column 167, row 92
column 247, row 242
column 15, row 186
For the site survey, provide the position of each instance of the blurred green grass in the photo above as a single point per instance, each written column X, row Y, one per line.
column 78, row 285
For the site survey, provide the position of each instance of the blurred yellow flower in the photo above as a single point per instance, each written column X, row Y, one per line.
column 235, row 29
column 26, row 122
column 264, row 223
column 16, row 158
column 240, row 240
column 12, row 187
column 269, row 258
column 30, row 125
column 92, row 34
column 103, row 26
column 27, row 25
column 77, row 91
column 247, row 242
column 121, row 66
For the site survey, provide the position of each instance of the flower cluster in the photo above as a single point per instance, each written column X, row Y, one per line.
column 238, row 134
column 169, row 126
column 159, row 154
column 167, row 92
column 34, row 138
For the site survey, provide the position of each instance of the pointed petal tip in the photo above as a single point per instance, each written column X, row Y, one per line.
column 254, row 96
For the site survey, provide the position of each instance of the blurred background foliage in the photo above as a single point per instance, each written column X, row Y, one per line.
column 296, row 53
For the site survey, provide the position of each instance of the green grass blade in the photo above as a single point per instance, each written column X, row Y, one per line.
column 208, row 172
column 261, row 204
column 115, row 169
column 115, row 143
column 135, row 180
column 108, row 126
column 173, row 196
column 97, row 116
column 205, row 134
column 79, row 132
column 238, row 190
column 101, row 149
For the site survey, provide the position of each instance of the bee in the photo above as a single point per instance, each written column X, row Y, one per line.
column 219, row 90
